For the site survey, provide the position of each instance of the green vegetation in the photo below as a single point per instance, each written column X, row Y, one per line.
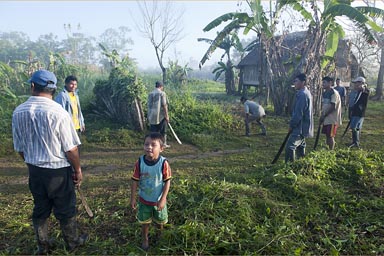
column 226, row 198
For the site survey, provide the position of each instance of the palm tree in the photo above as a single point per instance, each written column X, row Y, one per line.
column 229, row 41
column 321, row 40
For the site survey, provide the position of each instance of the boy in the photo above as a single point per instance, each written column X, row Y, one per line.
column 152, row 174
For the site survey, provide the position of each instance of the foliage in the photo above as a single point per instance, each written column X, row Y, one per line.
column 177, row 75
column 227, row 43
column 232, row 204
column 116, row 97
column 191, row 117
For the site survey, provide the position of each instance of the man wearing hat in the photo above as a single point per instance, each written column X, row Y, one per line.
column 44, row 136
column 358, row 108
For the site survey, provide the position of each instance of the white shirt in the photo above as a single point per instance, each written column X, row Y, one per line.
column 43, row 131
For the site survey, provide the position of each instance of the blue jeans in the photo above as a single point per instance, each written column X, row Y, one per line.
column 356, row 125
column 356, row 122
column 295, row 144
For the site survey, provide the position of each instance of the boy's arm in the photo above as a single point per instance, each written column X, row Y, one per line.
column 163, row 199
column 133, row 193
column 135, row 183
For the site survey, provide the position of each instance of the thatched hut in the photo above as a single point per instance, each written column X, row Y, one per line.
column 251, row 70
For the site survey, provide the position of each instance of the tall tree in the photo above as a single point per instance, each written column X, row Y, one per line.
column 321, row 40
column 79, row 49
column 380, row 44
column 162, row 25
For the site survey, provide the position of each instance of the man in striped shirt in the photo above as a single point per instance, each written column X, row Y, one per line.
column 45, row 137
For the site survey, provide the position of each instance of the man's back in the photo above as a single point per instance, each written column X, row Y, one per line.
column 156, row 100
column 40, row 130
column 253, row 108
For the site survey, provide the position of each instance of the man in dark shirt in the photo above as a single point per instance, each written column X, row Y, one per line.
column 358, row 110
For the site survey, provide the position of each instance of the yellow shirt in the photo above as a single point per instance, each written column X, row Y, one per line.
column 75, row 110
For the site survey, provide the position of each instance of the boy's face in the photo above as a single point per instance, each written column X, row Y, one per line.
column 152, row 149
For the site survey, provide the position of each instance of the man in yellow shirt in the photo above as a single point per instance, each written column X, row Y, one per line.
column 69, row 100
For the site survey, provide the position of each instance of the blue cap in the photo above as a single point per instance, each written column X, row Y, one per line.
column 44, row 78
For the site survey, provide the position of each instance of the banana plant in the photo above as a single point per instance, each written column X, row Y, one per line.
column 230, row 41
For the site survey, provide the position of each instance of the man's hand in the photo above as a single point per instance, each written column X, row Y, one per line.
column 77, row 177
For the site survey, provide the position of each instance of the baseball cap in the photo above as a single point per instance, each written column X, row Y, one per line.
column 359, row 79
column 44, row 78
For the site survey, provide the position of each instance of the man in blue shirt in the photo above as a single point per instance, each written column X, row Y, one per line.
column 301, row 123
column 342, row 92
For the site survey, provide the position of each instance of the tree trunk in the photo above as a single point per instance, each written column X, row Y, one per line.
column 380, row 77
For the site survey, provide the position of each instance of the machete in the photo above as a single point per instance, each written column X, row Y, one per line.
column 281, row 148
column 84, row 202
column 174, row 134
column 346, row 129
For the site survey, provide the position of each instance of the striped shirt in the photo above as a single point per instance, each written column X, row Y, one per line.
column 43, row 131
column 157, row 99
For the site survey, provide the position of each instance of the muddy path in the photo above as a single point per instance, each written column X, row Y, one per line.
column 13, row 170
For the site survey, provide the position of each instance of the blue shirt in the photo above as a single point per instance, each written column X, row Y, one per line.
column 302, row 115
column 151, row 178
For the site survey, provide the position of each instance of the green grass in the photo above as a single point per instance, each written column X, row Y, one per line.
column 225, row 198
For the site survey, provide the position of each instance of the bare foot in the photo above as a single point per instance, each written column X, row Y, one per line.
column 145, row 245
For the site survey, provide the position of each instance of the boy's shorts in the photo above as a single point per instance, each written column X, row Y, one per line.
column 329, row 130
column 147, row 213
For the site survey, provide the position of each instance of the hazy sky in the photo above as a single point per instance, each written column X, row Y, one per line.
column 43, row 17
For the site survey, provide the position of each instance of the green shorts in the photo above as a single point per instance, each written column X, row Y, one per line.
column 147, row 213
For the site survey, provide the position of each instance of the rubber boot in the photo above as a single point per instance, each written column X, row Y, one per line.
column 41, row 231
column 290, row 155
column 300, row 152
column 70, row 234
column 355, row 138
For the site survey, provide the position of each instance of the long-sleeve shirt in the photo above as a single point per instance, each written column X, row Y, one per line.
column 302, row 115
column 64, row 99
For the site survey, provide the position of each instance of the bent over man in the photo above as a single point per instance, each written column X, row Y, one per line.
column 44, row 136
column 253, row 112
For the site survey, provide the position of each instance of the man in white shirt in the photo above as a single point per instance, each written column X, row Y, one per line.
column 45, row 137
